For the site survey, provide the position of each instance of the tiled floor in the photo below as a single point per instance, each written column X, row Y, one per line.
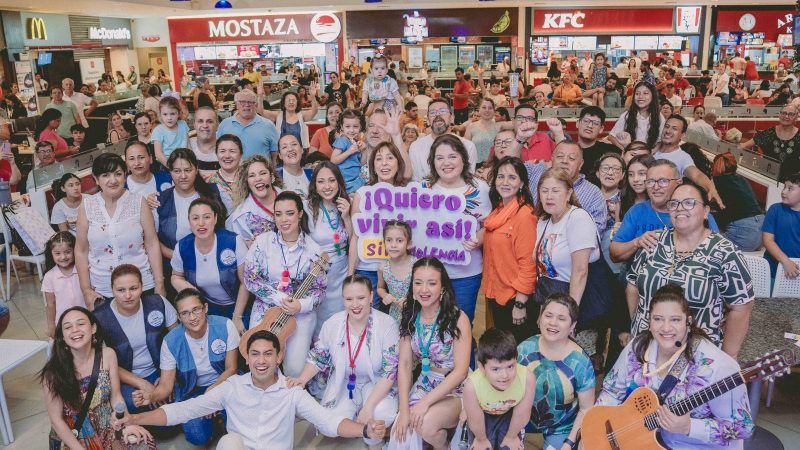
column 31, row 425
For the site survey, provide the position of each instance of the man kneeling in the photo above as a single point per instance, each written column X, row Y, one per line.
column 260, row 407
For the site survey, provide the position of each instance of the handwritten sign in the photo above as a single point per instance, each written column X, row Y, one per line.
column 438, row 223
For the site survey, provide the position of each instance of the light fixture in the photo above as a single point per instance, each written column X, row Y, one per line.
column 223, row 4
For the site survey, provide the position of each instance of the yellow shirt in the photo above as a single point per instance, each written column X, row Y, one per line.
column 497, row 402
column 253, row 77
column 365, row 67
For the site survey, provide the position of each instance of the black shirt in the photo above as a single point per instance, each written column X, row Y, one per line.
column 337, row 95
column 740, row 201
column 590, row 157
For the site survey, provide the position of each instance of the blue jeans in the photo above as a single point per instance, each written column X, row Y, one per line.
column 466, row 290
column 199, row 431
column 221, row 310
column 373, row 277
column 555, row 440
column 746, row 233
column 127, row 393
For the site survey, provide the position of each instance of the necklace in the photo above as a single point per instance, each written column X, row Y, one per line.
column 262, row 206
column 334, row 224
column 351, row 379
column 679, row 257
column 283, row 286
column 658, row 216
column 646, row 366
column 424, row 349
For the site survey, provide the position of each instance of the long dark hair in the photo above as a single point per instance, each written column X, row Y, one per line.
column 450, row 312
column 314, row 199
column 668, row 293
column 58, row 373
column 700, row 161
column 628, row 195
column 292, row 196
column 524, row 196
column 59, row 183
column 458, row 146
column 47, row 116
column 655, row 116
column 58, row 238
column 202, row 188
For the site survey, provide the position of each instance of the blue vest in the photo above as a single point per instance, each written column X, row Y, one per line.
column 228, row 274
column 186, row 370
column 163, row 181
column 167, row 215
column 116, row 338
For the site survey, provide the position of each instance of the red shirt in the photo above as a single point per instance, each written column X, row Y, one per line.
column 787, row 63
column 461, row 87
column 539, row 147
column 750, row 71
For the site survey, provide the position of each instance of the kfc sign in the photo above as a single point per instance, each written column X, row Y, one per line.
column 623, row 21
column 562, row 20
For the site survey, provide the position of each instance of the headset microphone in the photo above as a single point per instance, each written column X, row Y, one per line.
column 678, row 344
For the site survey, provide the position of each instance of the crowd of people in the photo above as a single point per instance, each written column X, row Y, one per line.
column 631, row 238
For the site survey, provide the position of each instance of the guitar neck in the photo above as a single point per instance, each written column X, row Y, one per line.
column 707, row 394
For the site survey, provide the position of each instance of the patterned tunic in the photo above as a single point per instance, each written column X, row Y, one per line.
column 714, row 276
column 397, row 287
column 787, row 152
column 721, row 423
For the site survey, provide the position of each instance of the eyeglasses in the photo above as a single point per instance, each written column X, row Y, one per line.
column 610, row 169
column 438, row 112
column 662, row 182
column 195, row 312
column 788, row 114
column 529, row 119
column 688, row 204
column 593, row 123
column 503, row 143
column 45, row 150
column 246, row 103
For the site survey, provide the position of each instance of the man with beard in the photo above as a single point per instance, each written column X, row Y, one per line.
column 611, row 97
column 670, row 149
column 440, row 119
column 204, row 144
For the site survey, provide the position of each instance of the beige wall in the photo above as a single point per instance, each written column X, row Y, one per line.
column 146, row 55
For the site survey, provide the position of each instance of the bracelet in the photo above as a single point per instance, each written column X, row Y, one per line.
column 237, row 317
column 364, row 432
column 569, row 442
column 519, row 305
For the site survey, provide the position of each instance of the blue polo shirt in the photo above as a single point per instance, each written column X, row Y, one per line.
column 259, row 137
column 642, row 218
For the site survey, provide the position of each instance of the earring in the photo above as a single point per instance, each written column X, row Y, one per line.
column 94, row 339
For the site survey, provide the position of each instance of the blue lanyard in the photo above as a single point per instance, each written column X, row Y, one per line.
column 426, row 348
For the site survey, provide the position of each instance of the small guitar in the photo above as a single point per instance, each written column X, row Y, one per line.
column 279, row 322
column 633, row 424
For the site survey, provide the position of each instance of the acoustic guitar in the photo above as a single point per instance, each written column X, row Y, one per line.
column 633, row 424
column 279, row 322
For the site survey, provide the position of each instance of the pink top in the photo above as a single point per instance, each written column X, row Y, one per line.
column 67, row 289
column 52, row 136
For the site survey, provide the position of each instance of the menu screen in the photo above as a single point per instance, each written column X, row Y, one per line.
column 584, row 43
column 727, row 38
column 248, row 51
column 205, row 53
column 670, row 42
column 560, row 43
column 623, row 42
column 646, row 42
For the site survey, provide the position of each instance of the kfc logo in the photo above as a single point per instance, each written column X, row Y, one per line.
column 562, row 20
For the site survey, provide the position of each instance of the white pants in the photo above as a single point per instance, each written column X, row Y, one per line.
column 298, row 344
column 385, row 410
column 231, row 441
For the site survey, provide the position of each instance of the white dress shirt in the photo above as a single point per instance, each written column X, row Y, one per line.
column 263, row 418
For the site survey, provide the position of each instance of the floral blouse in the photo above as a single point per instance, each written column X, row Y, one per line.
column 713, row 277
column 721, row 423
column 265, row 262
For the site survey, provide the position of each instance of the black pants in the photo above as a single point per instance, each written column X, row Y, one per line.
column 496, row 427
column 461, row 115
column 503, row 319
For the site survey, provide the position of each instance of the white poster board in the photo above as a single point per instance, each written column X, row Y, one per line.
column 27, row 93
column 91, row 69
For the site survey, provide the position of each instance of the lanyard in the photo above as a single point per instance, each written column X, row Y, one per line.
column 351, row 379
column 425, row 349
column 283, row 286
column 337, row 237
column 261, row 205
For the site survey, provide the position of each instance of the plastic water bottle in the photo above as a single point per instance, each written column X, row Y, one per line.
column 463, row 443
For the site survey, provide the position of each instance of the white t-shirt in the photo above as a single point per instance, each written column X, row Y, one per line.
column 62, row 213
column 575, row 231
column 206, row 375
column 642, row 126
column 718, row 79
column 133, row 326
column 421, row 148
column 702, row 126
column 208, row 272
column 675, row 100
column 679, row 157
column 182, row 214
column 201, row 156
column 145, row 189
column 296, row 183
column 422, row 102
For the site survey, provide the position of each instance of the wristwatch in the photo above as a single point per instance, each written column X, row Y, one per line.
column 519, row 305
column 571, row 444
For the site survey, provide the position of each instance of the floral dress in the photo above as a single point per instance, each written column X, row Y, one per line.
column 96, row 432
column 721, row 423
column 249, row 220
column 441, row 355
column 397, row 287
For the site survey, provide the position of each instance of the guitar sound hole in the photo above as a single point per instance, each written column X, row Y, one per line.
column 643, row 404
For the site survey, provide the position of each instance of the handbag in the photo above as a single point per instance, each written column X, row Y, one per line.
column 76, row 428
column 29, row 230
column 595, row 303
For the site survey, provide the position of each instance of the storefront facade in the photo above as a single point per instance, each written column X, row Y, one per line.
column 558, row 33
column 762, row 33
column 220, row 46
column 151, row 43
column 442, row 38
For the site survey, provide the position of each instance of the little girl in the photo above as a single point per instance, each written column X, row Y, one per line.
column 380, row 89
column 599, row 77
column 60, row 285
column 172, row 133
column 348, row 146
column 67, row 190
column 394, row 276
